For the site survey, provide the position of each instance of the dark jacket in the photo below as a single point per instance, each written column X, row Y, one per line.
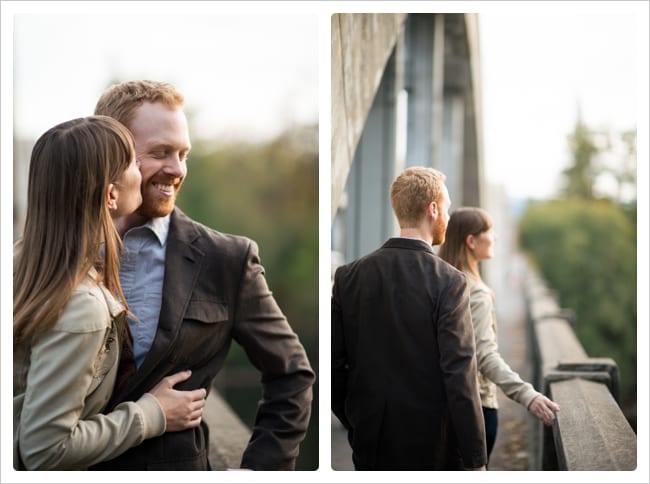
column 403, row 361
column 214, row 292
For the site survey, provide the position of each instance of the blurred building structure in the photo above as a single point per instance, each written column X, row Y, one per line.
column 406, row 91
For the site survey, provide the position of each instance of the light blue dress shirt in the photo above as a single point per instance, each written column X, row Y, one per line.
column 142, row 270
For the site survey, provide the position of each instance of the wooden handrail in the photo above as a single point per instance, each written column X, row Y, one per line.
column 228, row 434
column 591, row 432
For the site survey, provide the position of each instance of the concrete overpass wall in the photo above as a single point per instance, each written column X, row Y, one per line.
column 361, row 46
column 405, row 91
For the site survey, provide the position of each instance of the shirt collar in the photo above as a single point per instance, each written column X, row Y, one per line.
column 158, row 225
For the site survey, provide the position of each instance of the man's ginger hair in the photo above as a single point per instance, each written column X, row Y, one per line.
column 411, row 192
column 120, row 101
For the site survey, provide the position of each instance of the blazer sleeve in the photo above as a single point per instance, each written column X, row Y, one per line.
column 340, row 367
column 458, row 364
column 52, row 433
column 273, row 348
column 490, row 362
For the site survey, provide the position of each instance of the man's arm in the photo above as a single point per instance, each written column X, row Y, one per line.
column 287, row 377
column 458, row 363
column 340, row 369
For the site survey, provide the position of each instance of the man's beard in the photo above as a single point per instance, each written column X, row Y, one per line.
column 439, row 229
column 157, row 208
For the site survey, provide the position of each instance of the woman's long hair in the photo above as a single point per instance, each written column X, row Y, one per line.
column 68, row 220
column 464, row 221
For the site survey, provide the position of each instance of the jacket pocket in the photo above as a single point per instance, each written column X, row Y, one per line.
column 206, row 324
column 207, row 311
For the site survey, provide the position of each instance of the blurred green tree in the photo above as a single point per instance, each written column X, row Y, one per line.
column 586, row 251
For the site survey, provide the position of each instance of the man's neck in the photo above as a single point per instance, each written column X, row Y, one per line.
column 123, row 224
column 416, row 233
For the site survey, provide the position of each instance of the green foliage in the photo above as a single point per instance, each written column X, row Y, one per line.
column 586, row 251
column 269, row 193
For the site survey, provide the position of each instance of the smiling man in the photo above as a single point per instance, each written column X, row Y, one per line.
column 195, row 290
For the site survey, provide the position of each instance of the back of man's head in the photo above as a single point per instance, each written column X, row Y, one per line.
column 412, row 191
column 120, row 101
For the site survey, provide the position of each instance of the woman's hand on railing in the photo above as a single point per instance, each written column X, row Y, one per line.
column 544, row 409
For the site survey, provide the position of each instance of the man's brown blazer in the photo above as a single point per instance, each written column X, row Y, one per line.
column 215, row 292
column 403, row 361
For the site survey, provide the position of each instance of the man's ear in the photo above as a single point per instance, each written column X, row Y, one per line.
column 111, row 197
column 432, row 210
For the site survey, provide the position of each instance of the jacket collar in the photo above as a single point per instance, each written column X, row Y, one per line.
column 181, row 228
column 408, row 243
column 115, row 307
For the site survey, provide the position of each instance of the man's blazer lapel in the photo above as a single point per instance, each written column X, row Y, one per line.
column 182, row 266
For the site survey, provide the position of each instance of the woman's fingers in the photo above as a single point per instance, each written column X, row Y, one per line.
column 176, row 378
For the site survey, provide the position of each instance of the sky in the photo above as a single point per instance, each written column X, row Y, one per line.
column 247, row 77
column 538, row 71
column 250, row 69
column 243, row 76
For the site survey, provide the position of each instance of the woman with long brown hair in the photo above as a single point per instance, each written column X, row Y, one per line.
column 469, row 239
column 69, row 310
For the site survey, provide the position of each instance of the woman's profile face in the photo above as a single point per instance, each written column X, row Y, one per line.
column 128, row 190
column 483, row 245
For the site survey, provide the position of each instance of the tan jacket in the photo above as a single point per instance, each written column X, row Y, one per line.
column 493, row 370
column 63, row 380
